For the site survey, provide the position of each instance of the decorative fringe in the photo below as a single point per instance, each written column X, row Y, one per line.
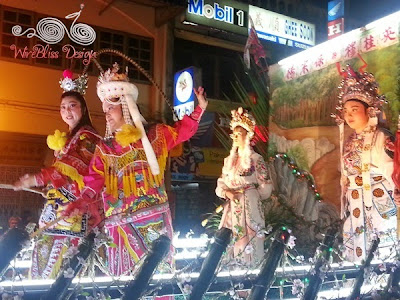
column 57, row 140
column 113, row 165
column 173, row 133
column 111, row 177
column 128, row 135
column 71, row 172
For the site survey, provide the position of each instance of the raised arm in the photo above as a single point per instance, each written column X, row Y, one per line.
column 187, row 127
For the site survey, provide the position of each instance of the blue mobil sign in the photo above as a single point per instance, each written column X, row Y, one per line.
column 221, row 14
column 184, row 97
column 335, row 10
column 282, row 29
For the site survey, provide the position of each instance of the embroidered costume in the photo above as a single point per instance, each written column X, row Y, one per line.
column 246, row 174
column 367, row 166
column 130, row 178
column 63, row 182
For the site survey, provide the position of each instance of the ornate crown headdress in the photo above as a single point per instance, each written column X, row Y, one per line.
column 360, row 86
column 112, row 84
column 77, row 85
column 241, row 117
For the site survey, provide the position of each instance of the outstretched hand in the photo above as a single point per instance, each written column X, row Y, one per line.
column 25, row 181
column 201, row 97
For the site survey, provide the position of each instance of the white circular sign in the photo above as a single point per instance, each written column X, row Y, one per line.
column 184, row 87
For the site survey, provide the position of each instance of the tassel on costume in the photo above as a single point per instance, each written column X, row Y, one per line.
column 129, row 174
column 71, row 172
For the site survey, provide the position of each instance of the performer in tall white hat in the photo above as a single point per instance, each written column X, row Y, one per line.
column 128, row 170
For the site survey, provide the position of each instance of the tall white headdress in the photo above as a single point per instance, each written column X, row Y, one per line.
column 112, row 85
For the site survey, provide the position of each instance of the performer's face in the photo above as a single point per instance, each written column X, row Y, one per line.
column 13, row 222
column 355, row 115
column 114, row 115
column 71, row 111
column 239, row 136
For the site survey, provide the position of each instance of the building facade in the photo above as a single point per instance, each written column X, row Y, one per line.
column 30, row 70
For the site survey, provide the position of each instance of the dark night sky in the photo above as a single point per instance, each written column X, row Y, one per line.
column 369, row 10
column 361, row 12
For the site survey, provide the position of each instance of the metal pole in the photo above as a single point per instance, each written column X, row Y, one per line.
column 267, row 272
column 137, row 287
column 210, row 264
column 355, row 294
column 316, row 280
column 392, row 288
column 10, row 244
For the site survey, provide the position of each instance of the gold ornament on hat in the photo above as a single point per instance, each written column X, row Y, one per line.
column 113, row 75
column 114, row 85
column 241, row 117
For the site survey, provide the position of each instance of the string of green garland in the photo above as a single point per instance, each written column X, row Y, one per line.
column 300, row 174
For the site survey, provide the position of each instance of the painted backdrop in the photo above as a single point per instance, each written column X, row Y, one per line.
column 304, row 94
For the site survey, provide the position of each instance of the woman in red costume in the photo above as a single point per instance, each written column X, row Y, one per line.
column 63, row 181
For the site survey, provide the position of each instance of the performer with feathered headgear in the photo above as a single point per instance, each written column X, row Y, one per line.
column 367, row 202
column 244, row 182
column 63, row 180
column 128, row 170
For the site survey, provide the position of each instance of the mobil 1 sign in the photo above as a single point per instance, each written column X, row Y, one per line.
column 226, row 15
column 184, row 97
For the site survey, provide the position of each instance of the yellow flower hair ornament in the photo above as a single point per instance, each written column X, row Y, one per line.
column 57, row 140
column 127, row 135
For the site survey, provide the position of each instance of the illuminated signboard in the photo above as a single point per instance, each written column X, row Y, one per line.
column 184, row 97
column 221, row 14
column 282, row 29
column 335, row 28
column 335, row 10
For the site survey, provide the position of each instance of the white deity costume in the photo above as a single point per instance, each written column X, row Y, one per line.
column 245, row 173
column 367, row 205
